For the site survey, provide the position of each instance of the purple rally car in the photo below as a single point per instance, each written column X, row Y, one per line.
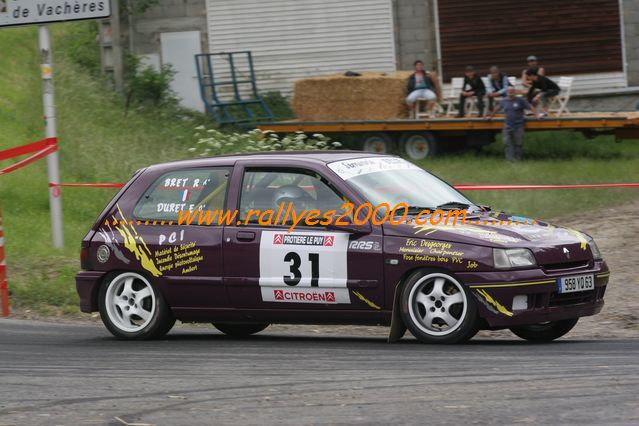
column 142, row 270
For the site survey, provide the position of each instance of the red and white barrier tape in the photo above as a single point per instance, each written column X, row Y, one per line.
column 47, row 146
column 475, row 187
column 461, row 187
column 86, row 185
column 41, row 149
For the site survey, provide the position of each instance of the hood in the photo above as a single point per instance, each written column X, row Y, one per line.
column 551, row 244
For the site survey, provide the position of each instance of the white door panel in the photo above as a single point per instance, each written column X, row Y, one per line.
column 179, row 50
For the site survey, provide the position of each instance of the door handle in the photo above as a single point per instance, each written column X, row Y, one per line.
column 245, row 236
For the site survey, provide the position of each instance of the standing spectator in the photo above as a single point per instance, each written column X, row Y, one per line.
column 525, row 81
column 497, row 85
column 545, row 89
column 473, row 86
column 514, row 120
column 420, row 86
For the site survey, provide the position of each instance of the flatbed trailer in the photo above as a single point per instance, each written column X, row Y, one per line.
column 418, row 139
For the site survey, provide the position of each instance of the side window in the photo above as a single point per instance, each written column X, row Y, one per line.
column 268, row 189
column 191, row 189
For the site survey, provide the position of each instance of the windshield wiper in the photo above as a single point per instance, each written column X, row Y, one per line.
column 418, row 209
column 453, row 205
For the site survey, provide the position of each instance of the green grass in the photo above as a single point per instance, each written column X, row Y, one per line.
column 550, row 158
column 98, row 143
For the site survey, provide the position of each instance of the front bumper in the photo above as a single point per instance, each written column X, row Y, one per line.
column 511, row 298
column 87, row 284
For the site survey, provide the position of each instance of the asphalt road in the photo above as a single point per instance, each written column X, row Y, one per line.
column 78, row 375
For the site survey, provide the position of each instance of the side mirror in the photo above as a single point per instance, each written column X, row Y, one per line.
column 351, row 228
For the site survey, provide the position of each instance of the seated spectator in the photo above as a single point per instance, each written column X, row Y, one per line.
column 473, row 86
column 525, row 81
column 497, row 85
column 420, row 86
column 545, row 89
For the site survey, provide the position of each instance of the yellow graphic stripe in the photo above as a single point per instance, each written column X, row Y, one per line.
column 607, row 274
column 581, row 237
column 497, row 285
column 501, row 308
column 365, row 300
column 136, row 245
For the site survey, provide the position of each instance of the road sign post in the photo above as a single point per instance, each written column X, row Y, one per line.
column 53, row 167
column 42, row 12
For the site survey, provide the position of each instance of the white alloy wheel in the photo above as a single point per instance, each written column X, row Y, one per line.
column 130, row 302
column 417, row 147
column 437, row 304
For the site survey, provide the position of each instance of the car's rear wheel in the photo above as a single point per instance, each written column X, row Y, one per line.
column 132, row 308
column 437, row 308
column 239, row 330
column 545, row 332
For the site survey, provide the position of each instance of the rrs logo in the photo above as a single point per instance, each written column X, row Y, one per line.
column 363, row 245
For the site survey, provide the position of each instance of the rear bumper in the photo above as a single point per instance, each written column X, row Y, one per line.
column 507, row 299
column 87, row 284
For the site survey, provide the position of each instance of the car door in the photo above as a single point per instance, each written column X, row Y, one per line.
column 184, row 260
column 311, row 267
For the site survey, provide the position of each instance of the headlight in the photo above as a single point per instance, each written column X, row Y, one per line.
column 513, row 258
column 596, row 254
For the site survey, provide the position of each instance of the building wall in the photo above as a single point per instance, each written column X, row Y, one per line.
column 630, row 12
column 415, row 33
column 166, row 16
column 293, row 39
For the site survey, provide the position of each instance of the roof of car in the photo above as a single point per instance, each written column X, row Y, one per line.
column 294, row 156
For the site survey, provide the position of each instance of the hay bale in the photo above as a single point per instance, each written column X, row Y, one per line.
column 371, row 96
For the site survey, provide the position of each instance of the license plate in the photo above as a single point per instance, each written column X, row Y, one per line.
column 576, row 283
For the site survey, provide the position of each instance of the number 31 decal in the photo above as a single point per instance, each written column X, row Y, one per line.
column 295, row 261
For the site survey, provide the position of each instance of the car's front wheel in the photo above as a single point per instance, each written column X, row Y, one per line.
column 545, row 332
column 239, row 330
column 131, row 307
column 437, row 308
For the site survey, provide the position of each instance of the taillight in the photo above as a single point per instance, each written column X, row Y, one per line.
column 85, row 262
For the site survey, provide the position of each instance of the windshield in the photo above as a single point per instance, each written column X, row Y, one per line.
column 393, row 180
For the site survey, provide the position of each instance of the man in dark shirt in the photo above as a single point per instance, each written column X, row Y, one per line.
column 473, row 86
column 514, row 120
column 546, row 89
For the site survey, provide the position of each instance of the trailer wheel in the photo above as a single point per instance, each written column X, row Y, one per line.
column 418, row 145
column 378, row 142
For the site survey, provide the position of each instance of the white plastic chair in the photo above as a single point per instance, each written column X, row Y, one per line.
column 559, row 103
column 456, row 84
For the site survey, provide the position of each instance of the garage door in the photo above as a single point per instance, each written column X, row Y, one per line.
column 292, row 39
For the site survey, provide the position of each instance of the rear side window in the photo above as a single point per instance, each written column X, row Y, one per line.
column 192, row 189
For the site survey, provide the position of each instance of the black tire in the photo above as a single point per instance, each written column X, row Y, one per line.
column 160, row 321
column 418, row 145
column 435, row 329
column 239, row 330
column 545, row 332
column 378, row 142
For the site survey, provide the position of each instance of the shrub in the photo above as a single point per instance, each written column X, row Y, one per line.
column 80, row 44
column 145, row 84
column 213, row 142
column 279, row 105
